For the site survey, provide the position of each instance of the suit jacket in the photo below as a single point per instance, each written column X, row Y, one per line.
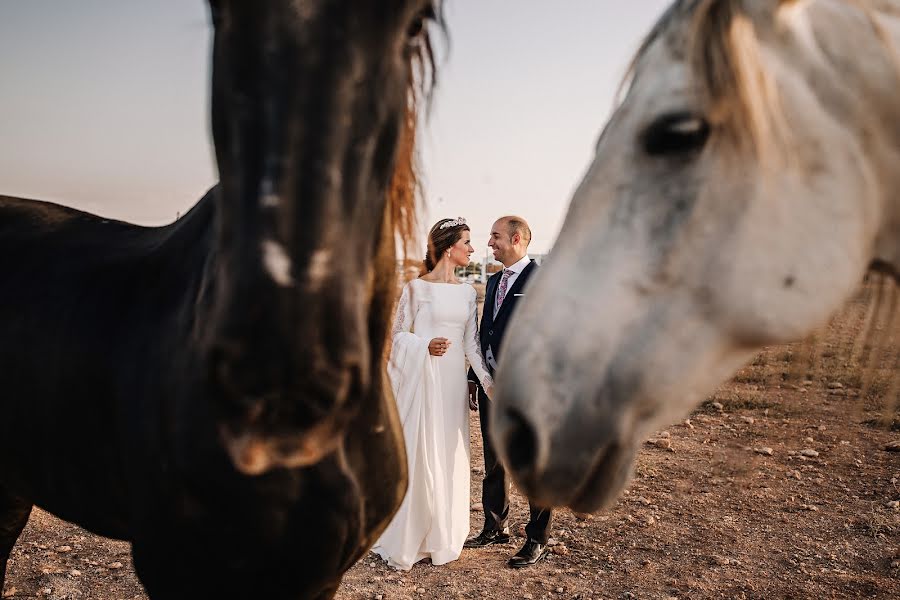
column 492, row 330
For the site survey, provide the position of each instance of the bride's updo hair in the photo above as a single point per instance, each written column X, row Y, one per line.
column 441, row 238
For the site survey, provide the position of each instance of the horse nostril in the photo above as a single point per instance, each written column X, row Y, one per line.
column 521, row 443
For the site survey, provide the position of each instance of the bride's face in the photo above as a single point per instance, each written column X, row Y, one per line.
column 462, row 250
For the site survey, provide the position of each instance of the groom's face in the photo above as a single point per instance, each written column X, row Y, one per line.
column 501, row 243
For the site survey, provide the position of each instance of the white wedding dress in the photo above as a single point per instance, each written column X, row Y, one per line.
column 433, row 520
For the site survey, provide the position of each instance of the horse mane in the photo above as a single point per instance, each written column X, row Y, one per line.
column 404, row 193
column 404, row 190
column 724, row 50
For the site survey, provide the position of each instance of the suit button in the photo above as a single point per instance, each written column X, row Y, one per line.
column 491, row 332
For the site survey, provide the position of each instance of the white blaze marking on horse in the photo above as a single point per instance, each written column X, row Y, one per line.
column 277, row 263
column 319, row 266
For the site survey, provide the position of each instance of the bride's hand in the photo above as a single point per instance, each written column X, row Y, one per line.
column 489, row 392
column 438, row 346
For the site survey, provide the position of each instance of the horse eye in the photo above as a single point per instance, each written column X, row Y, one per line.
column 676, row 133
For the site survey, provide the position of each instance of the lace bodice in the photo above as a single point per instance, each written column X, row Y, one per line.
column 431, row 310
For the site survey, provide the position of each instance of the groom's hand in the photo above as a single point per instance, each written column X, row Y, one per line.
column 473, row 395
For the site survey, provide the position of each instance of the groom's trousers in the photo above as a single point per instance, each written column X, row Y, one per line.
column 495, row 486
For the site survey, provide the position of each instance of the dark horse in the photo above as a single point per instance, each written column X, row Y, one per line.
column 213, row 390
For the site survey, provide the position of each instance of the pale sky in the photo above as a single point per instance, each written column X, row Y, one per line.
column 104, row 105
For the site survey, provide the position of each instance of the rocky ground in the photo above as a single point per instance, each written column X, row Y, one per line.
column 784, row 484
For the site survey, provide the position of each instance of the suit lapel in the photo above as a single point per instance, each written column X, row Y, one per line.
column 490, row 299
column 515, row 289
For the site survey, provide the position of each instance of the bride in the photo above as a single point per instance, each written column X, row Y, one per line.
column 434, row 332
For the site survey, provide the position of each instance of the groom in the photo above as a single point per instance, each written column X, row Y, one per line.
column 509, row 240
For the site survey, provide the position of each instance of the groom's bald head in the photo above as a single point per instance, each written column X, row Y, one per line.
column 516, row 225
column 510, row 236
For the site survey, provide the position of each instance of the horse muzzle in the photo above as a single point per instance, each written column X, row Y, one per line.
column 255, row 453
column 580, row 457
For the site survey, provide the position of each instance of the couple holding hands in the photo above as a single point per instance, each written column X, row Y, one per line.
column 435, row 331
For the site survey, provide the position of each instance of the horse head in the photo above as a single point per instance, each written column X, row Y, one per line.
column 313, row 113
column 736, row 198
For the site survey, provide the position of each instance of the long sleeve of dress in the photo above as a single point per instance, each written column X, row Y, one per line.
column 470, row 342
column 408, row 363
column 403, row 317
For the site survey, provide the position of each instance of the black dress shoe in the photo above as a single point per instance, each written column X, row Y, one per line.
column 488, row 538
column 530, row 553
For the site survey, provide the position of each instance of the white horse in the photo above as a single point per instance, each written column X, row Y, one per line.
column 739, row 193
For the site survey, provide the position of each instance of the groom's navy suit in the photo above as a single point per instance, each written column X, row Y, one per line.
column 495, row 490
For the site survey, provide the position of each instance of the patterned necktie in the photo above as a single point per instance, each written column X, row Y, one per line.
column 501, row 289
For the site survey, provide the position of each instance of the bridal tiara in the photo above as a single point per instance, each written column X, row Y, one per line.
column 453, row 223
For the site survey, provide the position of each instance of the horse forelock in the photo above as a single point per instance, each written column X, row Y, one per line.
column 721, row 43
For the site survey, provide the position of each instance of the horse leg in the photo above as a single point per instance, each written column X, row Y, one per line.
column 14, row 513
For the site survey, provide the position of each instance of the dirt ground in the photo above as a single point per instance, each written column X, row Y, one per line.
column 781, row 485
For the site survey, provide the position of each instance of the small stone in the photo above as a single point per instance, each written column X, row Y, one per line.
column 63, row 549
column 807, row 382
column 822, row 428
column 477, row 507
column 560, row 590
column 721, row 560
column 10, row 592
column 115, row 565
column 688, row 424
column 420, row 590
column 748, row 420
column 46, row 591
column 895, row 504
column 642, row 500
column 809, row 453
column 765, row 450
column 662, row 443
column 552, row 542
column 794, row 473
column 893, row 446
column 649, row 521
column 665, row 434
column 834, row 385
column 718, row 406
column 379, row 596
column 809, row 440
column 520, row 530
column 809, row 507
column 527, row 597
column 372, row 564
column 560, row 549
